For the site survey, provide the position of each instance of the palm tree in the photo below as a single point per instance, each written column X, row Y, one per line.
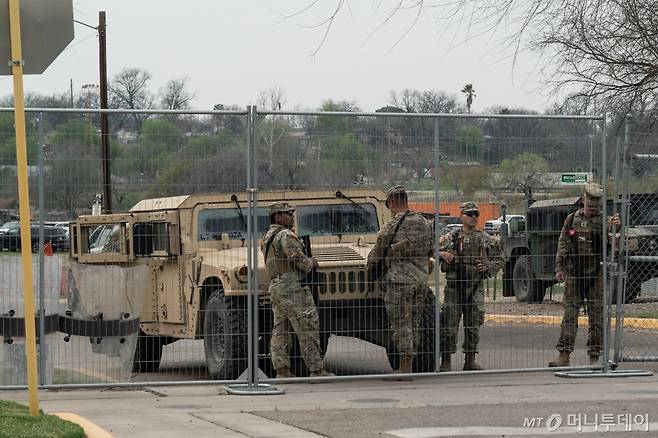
column 469, row 91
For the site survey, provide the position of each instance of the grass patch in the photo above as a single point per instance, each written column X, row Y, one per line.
column 64, row 376
column 16, row 422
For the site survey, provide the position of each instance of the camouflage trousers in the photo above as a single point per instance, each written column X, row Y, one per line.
column 293, row 309
column 582, row 292
column 404, row 306
column 462, row 298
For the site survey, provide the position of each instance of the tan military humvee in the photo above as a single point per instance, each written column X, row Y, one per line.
column 196, row 249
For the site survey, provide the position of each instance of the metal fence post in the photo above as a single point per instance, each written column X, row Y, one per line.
column 42, row 295
column 437, row 258
column 619, row 309
column 252, row 387
column 604, row 246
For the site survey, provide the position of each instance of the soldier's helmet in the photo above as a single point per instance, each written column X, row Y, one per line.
column 280, row 207
column 593, row 193
column 469, row 206
column 394, row 192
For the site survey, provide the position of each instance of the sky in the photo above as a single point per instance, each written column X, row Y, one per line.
column 231, row 50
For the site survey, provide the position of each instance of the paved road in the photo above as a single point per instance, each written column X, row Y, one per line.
column 483, row 405
column 503, row 346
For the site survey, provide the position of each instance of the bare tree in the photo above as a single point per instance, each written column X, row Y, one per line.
column 603, row 49
column 129, row 90
column 272, row 98
column 175, row 95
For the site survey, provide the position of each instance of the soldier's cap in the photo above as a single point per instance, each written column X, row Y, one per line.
column 280, row 207
column 394, row 191
column 469, row 206
column 593, row 193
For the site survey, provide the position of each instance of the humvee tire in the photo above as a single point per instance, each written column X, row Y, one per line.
column 225, row 335
column 148, row 353
column 527, row 288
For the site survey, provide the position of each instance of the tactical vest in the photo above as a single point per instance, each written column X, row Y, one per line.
column 276, row 263
column 468, row 249
column 585, row 249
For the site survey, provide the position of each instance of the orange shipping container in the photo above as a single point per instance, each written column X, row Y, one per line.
column 488, row 210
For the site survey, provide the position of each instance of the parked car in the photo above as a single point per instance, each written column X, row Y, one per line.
column 11, row 240
column 8, row 226
column 516, row 223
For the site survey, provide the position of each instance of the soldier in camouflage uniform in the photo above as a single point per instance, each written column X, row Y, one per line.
column 578, row 261
column 468, row 257
column 292, row 303
column 405, row 255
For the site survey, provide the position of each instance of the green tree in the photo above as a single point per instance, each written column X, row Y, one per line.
column 344, row 158
column 335, row 126
column 469, row 141
column 73, row 172
column 469, row 91
column 466, row 180
column 157, row 144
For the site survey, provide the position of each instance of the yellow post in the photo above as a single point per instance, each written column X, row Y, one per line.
column 24, row 205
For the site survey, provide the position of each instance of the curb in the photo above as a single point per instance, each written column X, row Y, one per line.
column 640, row 323
column 91, row 430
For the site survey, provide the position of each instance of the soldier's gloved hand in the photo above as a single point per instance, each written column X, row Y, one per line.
column 481, row 267
column 314, row 263
column 559, row 276
column 447, row 256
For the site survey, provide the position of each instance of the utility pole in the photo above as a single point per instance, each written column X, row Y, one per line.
column 105, row 129
column 71, row 90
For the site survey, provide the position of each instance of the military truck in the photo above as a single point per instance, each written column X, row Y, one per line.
column 530, row 255
column 196, row 249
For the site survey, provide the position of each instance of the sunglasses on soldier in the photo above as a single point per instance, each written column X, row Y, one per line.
column 472, row 213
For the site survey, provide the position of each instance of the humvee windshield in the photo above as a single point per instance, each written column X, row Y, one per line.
column 103, row 238
column 214, row 222
column 333, row 219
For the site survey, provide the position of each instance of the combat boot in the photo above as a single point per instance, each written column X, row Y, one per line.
column 561, row 361
column 406, row 365
column 593, row 360
column 322, row 372
column 470, row 364
column 446, row 362
column 283, row 373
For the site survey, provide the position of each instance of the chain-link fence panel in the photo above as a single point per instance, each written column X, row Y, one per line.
column 140, row 291
column 639, row 310
column 347, row 281
column 334, row 170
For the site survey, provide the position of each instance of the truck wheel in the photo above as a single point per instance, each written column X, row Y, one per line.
column 424, row 361
column 147, row 353
column 225, row 336
column 527, row 288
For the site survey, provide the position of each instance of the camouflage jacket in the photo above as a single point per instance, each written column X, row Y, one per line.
column 469, row 249
column 286, row 252
column 579, row 248
column 408, row 252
